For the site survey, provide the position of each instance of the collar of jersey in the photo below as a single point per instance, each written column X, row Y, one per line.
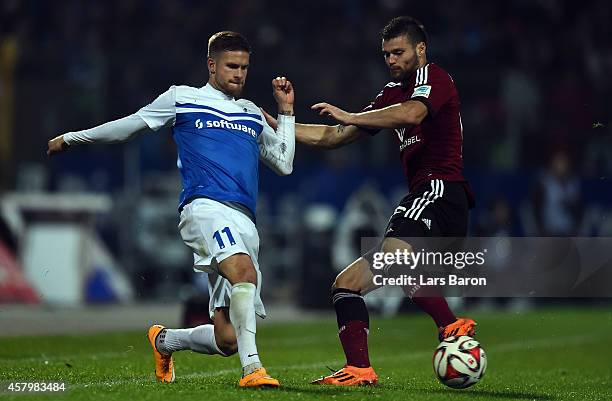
column 216, row 93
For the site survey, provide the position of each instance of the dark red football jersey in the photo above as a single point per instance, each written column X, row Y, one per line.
column 432, row 149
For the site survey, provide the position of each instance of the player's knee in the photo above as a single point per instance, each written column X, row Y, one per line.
column 239, row 268
column 247, row 275
column 347, row 279
column 339, row 280
column 394, row 244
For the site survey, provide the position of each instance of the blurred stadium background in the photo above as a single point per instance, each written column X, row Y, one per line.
column 95, row 229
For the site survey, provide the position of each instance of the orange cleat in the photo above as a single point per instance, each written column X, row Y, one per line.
column 460, row 327
column 350, row 376
column 258, row 378
column 164, row 366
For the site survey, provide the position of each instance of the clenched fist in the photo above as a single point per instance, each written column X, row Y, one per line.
column 283, row 94
column 57, row 145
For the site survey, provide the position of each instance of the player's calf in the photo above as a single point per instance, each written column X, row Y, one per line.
column 240, row 272
column 200, row 339
column 429, row 299
column 225, row 335
column 228, row 348
column 353, row 322
column 392, row 245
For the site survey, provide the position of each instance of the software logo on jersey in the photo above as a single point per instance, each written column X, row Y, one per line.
column 227, row 125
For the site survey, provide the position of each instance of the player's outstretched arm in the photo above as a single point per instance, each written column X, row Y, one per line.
column 328, row 136
column 323, row 136
column 115, row 131
column 399, row 115
column 159, row 113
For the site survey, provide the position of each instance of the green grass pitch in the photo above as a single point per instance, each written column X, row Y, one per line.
column 552, row 354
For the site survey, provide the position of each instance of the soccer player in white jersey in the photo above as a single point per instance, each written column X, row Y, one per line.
column 220, row 139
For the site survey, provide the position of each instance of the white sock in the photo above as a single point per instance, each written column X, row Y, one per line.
column 242, row 315
column 199, row 339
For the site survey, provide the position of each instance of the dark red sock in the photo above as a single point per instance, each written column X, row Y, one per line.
column 437, row 308
column 354, row 338
column 353, row 323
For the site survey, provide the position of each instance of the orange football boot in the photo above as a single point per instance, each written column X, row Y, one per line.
column 460, row 327
column 258, row 378
column 164, row 366
column 350, row 376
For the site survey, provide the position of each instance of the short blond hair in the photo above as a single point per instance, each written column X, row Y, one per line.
column 227, row 41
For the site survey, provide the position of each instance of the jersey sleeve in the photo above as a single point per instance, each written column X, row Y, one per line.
column 277, row 148
column 433, row 88
column 120, row 130
column 161, row 112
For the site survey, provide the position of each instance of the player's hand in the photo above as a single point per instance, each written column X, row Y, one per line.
column 326, row 109
column 269, row 119
column 57, row 145
column 283, row 94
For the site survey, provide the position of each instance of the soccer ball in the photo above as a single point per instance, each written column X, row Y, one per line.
column 459, row 362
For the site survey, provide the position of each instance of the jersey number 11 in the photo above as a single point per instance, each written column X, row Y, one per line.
column 228, row 233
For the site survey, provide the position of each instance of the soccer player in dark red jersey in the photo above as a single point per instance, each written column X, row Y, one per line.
column 421, row 105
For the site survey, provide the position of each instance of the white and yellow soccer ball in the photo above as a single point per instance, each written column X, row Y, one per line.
column 459, row 362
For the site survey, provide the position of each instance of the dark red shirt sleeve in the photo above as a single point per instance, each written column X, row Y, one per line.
column 437, row 89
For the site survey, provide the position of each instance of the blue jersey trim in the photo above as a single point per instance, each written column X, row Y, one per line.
column 199, row 106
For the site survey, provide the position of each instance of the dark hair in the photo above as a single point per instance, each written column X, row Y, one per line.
column 227, row 41
column 408, row 26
